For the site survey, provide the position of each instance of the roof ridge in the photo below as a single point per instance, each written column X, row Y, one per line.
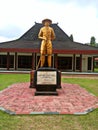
column 85, row 44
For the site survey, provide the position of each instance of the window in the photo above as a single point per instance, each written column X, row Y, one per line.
column 11, row 61
column 65, row 63
column 24, row 61
column 3, row 61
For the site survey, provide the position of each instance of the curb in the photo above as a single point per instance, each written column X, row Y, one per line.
column 48, row 113
column 85, row 112
column 7, row 111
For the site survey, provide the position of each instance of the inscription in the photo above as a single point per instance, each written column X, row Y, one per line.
column 46, row 78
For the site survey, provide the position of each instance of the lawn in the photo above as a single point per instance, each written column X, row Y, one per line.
column 96, row 70
column 49, row 122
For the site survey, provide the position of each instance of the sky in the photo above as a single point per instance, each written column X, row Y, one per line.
column 77, row 17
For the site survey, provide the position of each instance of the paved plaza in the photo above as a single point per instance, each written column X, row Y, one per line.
column 72, row 99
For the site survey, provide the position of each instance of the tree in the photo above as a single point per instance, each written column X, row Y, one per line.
column 93, row 41
column 71, row 37
column 96, row 44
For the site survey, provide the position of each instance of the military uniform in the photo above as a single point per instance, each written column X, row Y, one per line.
column 47, row 34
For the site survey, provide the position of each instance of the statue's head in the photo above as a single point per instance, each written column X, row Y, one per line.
column 46, row 22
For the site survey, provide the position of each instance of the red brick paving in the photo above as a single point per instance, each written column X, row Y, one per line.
column 71, row 99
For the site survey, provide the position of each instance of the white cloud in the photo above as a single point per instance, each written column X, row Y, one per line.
column 3, row 39
column 81, row 21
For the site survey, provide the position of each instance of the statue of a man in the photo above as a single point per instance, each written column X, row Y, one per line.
column 47, row 35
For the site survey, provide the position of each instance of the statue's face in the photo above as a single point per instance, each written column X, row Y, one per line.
column 47, row 23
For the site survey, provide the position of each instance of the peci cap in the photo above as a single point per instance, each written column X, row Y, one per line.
column 46, row 20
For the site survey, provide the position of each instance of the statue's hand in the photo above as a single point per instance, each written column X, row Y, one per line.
column 44, row 38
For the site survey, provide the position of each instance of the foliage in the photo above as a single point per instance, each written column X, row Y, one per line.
column 93, row 41
column 96, row 44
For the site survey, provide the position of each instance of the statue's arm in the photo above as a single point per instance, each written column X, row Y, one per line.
column 53, row 34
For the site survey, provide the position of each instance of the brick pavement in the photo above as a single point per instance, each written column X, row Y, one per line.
column 71, row 99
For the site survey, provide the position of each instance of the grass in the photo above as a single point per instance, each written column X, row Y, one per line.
column 96, row 70
column 49, row 122
column 90, row 85
column 8, row 79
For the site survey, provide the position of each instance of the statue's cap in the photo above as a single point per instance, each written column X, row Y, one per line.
column 47, row 20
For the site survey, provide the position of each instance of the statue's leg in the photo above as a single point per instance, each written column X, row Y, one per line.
column 49, row 60
column 42, row 60
column 49, row 52
column 42, row 51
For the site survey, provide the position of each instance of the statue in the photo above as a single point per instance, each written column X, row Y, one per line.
column 46, row 80
column 46, row 34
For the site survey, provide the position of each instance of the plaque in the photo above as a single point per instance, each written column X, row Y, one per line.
column 46, row 78
column 46, row 81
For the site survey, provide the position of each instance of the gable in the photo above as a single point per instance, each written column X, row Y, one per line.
column 32, row 34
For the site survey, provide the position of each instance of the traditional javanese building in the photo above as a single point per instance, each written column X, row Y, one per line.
column 96, row 62
column 24, row 53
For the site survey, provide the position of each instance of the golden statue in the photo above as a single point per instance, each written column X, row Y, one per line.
column 47, row 35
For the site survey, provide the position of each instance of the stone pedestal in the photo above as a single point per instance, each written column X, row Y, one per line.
column 32, row 78
column 46, row 81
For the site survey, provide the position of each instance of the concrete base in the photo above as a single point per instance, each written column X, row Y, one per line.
column 46, row 81
column 46, row 93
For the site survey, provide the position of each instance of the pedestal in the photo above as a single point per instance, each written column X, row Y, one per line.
column 46, row 81
column 32, row 79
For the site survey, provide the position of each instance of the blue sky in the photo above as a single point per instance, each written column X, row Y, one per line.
column 77, row 17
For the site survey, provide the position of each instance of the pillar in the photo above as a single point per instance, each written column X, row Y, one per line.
column 74, row 62
column 8, row 60
column 16, row 58
column 80, row 62
column 93, row 63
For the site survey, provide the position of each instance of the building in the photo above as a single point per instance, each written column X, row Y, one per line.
column 96, row 62
column 24, row 53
